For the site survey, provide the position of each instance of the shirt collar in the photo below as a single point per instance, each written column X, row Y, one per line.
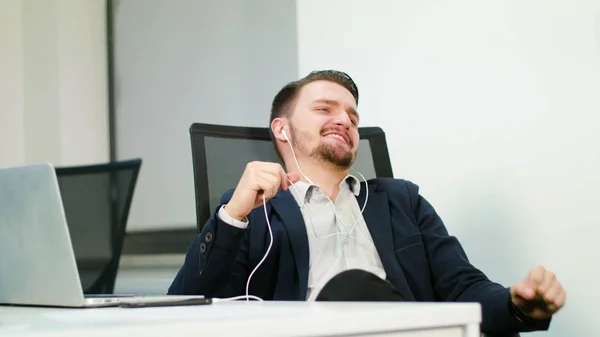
column 302, row 191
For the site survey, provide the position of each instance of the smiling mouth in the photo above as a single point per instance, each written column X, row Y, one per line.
column 337, row 137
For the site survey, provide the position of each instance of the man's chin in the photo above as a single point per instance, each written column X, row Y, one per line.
column 337, row 156
column 343, row 161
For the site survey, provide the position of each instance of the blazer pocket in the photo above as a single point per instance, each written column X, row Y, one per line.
column 408, row 242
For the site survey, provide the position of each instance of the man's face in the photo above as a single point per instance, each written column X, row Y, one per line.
column 324, row 123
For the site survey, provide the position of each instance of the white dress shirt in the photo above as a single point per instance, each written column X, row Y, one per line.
column 338, row 239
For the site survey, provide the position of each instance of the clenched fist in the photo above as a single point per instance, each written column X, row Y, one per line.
column 539, row 295
column 259, row 179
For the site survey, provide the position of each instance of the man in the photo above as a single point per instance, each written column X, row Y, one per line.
column 320, row 229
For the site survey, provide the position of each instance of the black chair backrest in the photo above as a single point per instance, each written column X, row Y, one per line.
column 96, row 199
column 220, row 154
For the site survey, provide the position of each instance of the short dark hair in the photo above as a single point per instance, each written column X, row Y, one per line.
column 284, row 100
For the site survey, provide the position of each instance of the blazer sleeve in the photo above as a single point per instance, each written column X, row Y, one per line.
column 216, row 263
column 456, row 279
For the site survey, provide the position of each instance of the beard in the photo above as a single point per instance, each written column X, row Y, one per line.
column 341, row 158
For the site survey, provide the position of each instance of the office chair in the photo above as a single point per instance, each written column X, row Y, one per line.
column 220, row 154
column 96, row 199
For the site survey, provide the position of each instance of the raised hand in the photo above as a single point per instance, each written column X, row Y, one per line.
column 258, row 179
column 539, row 295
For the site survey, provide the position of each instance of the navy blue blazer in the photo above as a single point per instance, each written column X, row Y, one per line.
column 419, row 257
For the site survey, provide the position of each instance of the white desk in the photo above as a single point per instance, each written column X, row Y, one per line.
column 262, row 319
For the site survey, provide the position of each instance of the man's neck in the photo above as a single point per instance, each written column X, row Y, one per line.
column 327, row 177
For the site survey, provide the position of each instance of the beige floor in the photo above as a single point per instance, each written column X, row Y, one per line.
column 147, row 274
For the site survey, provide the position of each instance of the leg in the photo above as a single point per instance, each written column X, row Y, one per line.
column 358, row 285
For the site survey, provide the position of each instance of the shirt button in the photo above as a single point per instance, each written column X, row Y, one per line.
column 208, row 237
column 202, row 247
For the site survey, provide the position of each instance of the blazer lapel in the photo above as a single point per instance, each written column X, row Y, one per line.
column 377, row 218
column 285, row 205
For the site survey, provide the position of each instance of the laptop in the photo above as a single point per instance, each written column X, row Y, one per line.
column 37, row 262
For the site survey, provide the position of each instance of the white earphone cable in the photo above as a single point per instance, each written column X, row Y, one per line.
column 348, row 231
column 249, row 297
column 268, row 248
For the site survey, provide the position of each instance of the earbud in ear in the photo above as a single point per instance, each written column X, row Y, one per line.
column 285, row 135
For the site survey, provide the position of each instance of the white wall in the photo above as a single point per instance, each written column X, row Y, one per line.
column 83, row 81
column 53, row 82
column 189, row 61
column 493, row 109
column 12, row 150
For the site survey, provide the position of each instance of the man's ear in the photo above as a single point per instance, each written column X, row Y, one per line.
column 278, row 128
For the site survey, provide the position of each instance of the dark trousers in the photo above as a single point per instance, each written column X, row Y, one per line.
column 358, row 285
